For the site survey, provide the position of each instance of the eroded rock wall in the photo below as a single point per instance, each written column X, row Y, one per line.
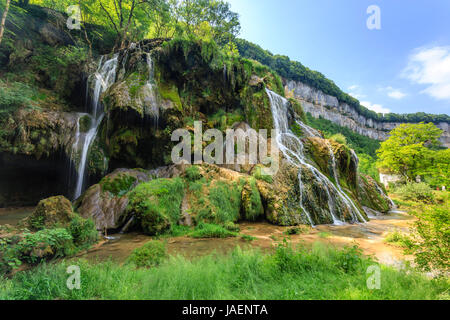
column 328, row 107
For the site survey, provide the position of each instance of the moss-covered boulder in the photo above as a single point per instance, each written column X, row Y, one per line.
column 157, row 205
column 51, row 213
column 372, row 195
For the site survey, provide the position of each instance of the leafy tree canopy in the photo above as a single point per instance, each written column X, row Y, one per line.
column 407, row 150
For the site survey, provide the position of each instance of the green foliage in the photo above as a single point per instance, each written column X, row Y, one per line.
column 14, row 96
column 34, row 247
column 399, row 239
column 368, row 166
column 415, row 192
column 157, row 204
column 226, row 199
column 119, row 185
column 83, row 231
column 247, row 237
column 296, row 230
column 152, row 254
column 406, row 152
column 432, row 242
column 252, row 206
column 339, row 138
column 305, row 274
column 193, row 174
column 206, row 230
column 258, row 174
column 437, row 170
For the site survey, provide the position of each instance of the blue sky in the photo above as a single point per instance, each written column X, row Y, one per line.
column 404, row 67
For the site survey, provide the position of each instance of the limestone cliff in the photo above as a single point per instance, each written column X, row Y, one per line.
column 328, row 107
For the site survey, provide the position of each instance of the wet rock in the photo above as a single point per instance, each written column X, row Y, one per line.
column 54, row 36
column 105, row 203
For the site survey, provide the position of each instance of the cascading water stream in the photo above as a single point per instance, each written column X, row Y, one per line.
column 292, row 148
column 104, row 77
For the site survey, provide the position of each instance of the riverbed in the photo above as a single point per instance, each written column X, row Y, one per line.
column 368, row 236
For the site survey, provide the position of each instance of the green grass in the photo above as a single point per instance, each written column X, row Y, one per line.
column 286, row 274
column 205, row 230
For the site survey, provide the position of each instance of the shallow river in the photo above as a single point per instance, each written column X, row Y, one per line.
column 369, row 236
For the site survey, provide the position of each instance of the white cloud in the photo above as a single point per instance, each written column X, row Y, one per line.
column 394, row 93
column 375, row 107
column 355, row 92
column 430, row 66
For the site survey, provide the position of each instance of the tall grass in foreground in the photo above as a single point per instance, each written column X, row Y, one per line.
column 319, row 273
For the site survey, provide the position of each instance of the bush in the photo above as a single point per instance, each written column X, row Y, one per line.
column 193, row 174
column 83, row 231
column 119, row 185
column 257, row 173
column 399, row 239
column 157, row 204
column 296, row 230
column 152, row 254
column 205, row 230
column 339, row 138
column 35, row 247
column 432, row 241
column 416, row 192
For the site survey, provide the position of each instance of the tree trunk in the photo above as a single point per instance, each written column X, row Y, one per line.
column 2, row 26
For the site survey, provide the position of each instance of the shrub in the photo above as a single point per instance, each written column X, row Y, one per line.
column 257, row 173
column 205, row 230
column 339, row 138
column 416, row 192
column 432, row 241
column 296, row 230
column 157, row 204
column 83, row 231
column 233, row 227
column 193, row 174
column 152, row 254
column 399, row 239
column 34, row 247
column 119, row 185
column 226, row 201
column 252, row 206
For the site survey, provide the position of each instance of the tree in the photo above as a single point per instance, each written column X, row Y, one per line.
column 206, row 19
column 406, row 151
column 5, row 14
column 437, row 172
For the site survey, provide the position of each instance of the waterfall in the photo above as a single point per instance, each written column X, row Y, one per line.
column 292, row 148
column 103, row 78
column 151, row 98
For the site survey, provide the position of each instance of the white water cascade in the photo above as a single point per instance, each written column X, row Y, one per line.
column 104, row 77
column 292, row 148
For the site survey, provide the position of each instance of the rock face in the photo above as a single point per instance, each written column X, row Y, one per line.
column 328, row 107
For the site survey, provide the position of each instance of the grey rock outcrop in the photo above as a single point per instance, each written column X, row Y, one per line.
column 328, row 107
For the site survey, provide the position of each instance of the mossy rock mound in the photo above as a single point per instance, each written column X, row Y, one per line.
column 372, row 195
column 157, row 205
column 54, row 212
